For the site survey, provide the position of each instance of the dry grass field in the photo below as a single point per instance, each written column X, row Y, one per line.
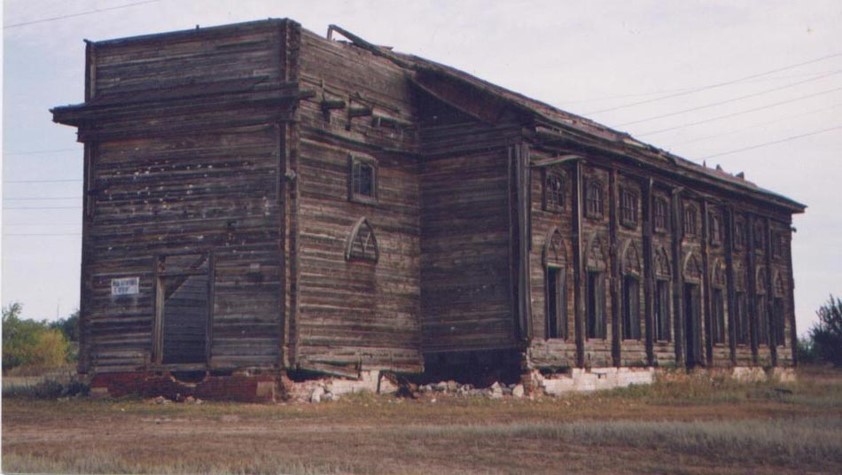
column 685, row 425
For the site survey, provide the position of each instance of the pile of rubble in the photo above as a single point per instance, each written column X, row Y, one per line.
column 185, row 400
column 495, row 391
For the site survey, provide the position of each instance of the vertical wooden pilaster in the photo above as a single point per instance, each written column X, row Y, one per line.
column 648, row 271
column 790, row 313
column 751, row 291
column 729, row 273
column 614, row 278
column 291, row 49
column 579, row 266
column 770, row 292
column 707, row 314
column 678, row 277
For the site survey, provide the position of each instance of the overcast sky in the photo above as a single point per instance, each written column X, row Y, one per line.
column 764, row 76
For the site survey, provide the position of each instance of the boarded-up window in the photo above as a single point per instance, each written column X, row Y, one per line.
column 183, row 308
column 596, row 327
column 741, row 319
column 556, row 303
column 778, row 323
column 631, row 308
column 717, row 327
column 662, row 310
column 762, row 321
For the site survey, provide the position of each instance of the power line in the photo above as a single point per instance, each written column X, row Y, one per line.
column 716, row 85
column 64, row 180
column 42, row 234
column 44, row 207
column 766, row 144
column 669, row 91
column 72, row 15
column 41, row 152
column 42, row 224
column 734, row 99
column 44, row 198
column 735, row 131
column 734, row 114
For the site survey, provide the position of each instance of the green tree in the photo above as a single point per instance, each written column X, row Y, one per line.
column 826, row 334
column 68, row 326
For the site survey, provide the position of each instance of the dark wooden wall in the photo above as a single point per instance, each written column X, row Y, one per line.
column 350, row 312
column 466, row 245
column 234, row 143
column 168, row 175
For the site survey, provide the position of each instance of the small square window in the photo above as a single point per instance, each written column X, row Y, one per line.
column 363, row 180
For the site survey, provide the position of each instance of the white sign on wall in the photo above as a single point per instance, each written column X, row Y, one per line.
column 125, row 286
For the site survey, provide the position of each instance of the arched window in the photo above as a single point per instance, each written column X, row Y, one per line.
column 361, row 243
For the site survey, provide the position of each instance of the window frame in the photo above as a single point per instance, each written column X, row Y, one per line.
column 629, row 207
column 547, row 203
column 355, row 161
column 594, row 199
column 661, row 208
column 715, row 229
column 691, row 220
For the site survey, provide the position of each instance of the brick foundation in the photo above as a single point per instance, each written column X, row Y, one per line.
column 235, row 387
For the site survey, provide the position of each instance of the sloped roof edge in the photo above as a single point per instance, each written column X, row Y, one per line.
column 563, row 119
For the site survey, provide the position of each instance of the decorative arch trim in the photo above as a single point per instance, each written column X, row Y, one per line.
column 662, row 263
column 692, row 267
column 597, row 255
column 631, row 258
column 555, row 252
column 361, row 243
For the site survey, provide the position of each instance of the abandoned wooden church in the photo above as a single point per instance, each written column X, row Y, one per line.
column 260, row 201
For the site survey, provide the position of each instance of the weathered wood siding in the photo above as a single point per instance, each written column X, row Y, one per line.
column 149, row 198
column 353, row 312
column 162, row 65
column 466, row 277
column 545, row 351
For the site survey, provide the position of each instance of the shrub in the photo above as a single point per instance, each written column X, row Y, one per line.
column 31, row 343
